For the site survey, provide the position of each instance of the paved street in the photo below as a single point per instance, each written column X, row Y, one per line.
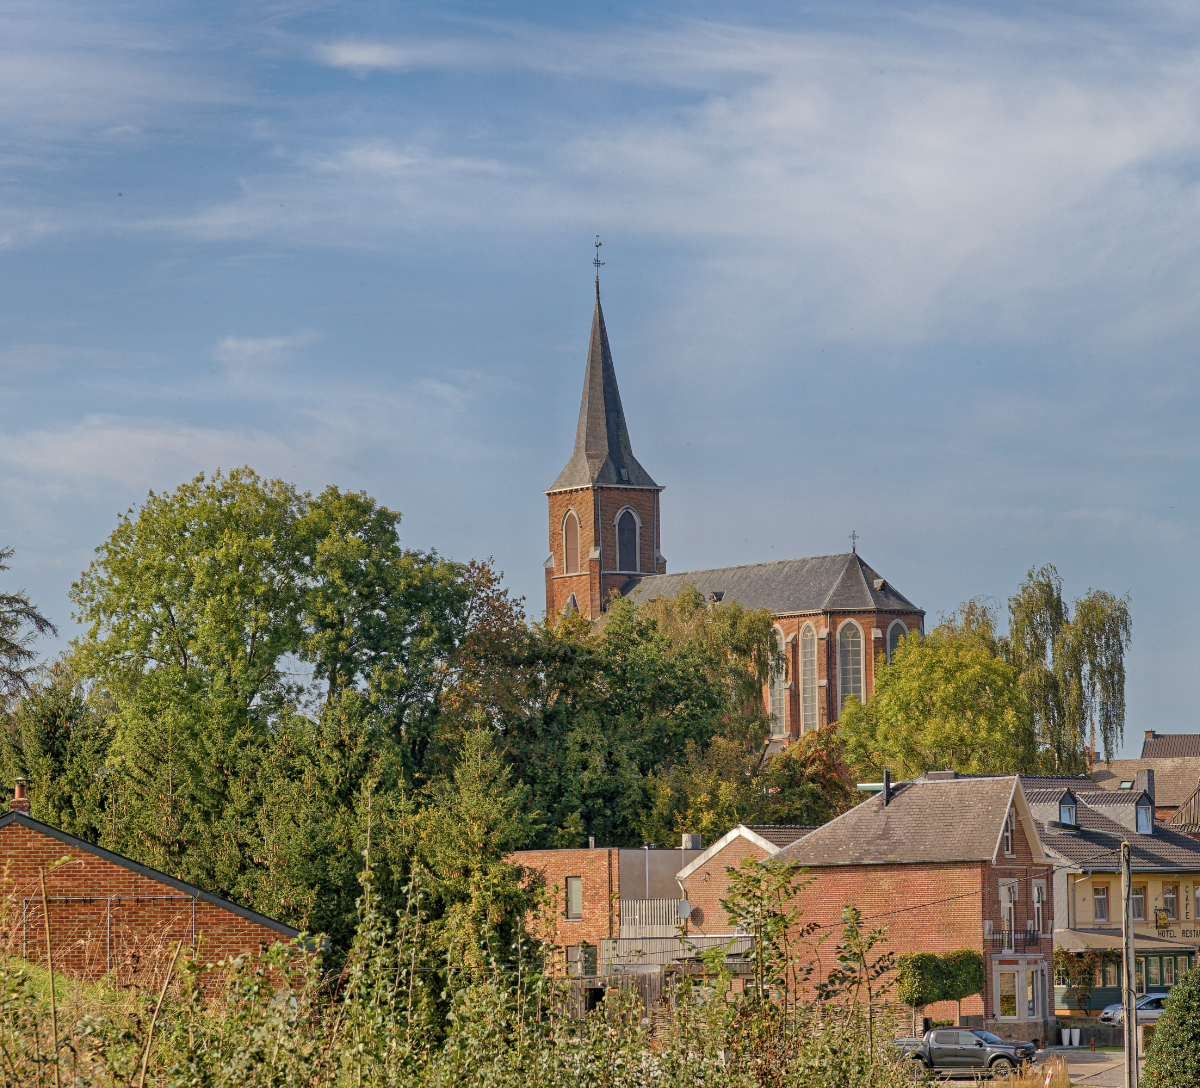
column 1101, row 1069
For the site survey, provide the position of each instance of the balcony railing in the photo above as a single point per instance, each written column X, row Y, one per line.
column 1013, row 941
column 649, row 917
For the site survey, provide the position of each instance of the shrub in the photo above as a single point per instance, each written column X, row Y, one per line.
column 1173, row 1060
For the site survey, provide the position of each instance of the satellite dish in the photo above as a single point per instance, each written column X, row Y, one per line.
column 685, row 909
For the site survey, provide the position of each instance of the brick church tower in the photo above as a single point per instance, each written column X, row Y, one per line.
column 604, row 510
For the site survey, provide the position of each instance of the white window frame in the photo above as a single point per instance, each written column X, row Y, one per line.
column 862, row 679
column 1070, row 808
column 779, row 685
column 1149, row 824
column 579, row 883
column 1100, row 899
column 1173, row 912
column 1136, row 900
column 808, row 685
column 571, row 512
column 1008, row 914
column 887, row 645
column 637, row 540
column 1039, row 906
column 1009, row 831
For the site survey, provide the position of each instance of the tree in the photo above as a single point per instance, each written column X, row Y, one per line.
column 944, row 701
column 964, row 975
column 18, row 612
column 1173, row 1059
column 1071, row 670
column 921, row 979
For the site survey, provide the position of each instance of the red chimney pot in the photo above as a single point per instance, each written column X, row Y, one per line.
column 19, row 803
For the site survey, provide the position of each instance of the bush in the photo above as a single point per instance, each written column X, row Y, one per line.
column 1173, row 1060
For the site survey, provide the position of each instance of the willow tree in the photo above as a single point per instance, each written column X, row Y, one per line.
column 1070, row 667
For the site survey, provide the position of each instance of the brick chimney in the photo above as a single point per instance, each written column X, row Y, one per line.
column 19, row 803
column 1149, row 734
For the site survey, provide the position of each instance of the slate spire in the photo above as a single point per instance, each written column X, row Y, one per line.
column 602, row 452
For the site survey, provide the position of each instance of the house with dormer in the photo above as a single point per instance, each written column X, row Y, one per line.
column 834, row 614
column 1081, row 827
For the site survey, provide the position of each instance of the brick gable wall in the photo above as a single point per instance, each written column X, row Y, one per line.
column 600, row 873
column 707, row 886
column 103, row 915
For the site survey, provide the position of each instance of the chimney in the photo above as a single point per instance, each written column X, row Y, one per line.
column 591, row 842
column 887, row 788
column 1149, row 734
column 19, row 803
column 1145, row 783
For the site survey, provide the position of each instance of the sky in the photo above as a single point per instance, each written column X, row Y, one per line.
column 927, row 272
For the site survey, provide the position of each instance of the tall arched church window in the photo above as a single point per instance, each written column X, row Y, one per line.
column 571, row 542
column 895, row 633
column 627, row 558
column 808, row 679
column 850, row 677
column 779, row 692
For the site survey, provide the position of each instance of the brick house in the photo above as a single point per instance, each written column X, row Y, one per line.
column 835, row 615
column 704, row 881
column 945, row 862
column 110, row 915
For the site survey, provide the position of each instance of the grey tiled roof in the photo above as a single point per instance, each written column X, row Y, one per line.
column 602, row 447
column 1174, row 778
column 820, row 583
column 953, row 820
column 1097, row 844
column 782, row 834
column 1171, row 746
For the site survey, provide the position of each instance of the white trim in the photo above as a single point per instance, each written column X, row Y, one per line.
column 1016, row 801
column 637, row 540
column 739, row 832
column 862, row 665
column 887, row 643
column 572, row 512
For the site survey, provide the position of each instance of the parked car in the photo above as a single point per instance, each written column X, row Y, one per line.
column 950, row 1049
column 1149, row 1009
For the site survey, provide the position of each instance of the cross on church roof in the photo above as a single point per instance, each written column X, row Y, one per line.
column 854, row 541
column 599, row 265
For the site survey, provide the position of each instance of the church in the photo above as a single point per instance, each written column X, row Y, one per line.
column 833, row 614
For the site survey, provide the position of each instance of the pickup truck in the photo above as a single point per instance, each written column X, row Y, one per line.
column 962, row 1050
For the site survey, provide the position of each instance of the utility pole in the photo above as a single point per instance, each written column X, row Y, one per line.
column 1128, row 993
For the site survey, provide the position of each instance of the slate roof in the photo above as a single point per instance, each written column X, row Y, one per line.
column 1174, row 778
column 602, row 448
column 951, row 820
column 820, row 583
column 1097, row 843
column 782, row 834
column 1171, row 745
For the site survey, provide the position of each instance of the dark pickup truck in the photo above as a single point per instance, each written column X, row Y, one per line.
column 954, row 1050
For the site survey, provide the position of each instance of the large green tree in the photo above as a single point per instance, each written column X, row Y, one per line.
column 20, row 624
column 944, row 701
column 1071, row 666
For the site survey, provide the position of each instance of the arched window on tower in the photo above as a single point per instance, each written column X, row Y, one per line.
column 627, row 557
column 808, row 679
column 779, row 692
column 850, row 679
column 571, row 542
column 895, row 633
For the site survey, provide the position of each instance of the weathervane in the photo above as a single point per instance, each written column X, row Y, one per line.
column 854, row 541
column 598, row 263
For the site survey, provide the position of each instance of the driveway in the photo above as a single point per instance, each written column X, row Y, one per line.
column 1102, row 1069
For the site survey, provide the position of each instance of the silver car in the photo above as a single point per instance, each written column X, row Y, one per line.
column 1149, row 1009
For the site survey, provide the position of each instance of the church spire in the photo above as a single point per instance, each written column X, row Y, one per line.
column 602, row 453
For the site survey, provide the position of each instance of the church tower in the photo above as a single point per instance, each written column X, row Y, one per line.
column 604, row 511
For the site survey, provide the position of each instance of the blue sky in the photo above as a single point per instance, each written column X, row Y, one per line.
column 926, row 271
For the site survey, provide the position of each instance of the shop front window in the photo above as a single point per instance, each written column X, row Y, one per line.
column 1169, row 971
column 1152, row 963
column 1139, row 981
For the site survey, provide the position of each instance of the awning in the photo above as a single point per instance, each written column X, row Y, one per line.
column 1080, row 940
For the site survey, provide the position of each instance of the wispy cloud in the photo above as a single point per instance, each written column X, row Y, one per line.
column 257, row 350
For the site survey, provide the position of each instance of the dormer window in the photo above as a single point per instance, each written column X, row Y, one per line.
column 1066, row 814
column 1145, row 820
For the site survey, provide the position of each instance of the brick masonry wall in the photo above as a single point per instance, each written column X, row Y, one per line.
column 708, row 885
column 146, row 916
column 600, row 873
column 827, row 668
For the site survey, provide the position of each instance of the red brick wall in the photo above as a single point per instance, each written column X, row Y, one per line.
column 142, row 925
column 708, row 885
column 827, row 669
column 600, row 874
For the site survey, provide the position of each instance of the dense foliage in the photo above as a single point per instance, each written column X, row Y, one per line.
column 1173, row 1059
column 266, row 677
column 1028, row 701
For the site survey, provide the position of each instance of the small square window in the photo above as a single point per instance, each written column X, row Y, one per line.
column 1127, row 785
column 1066, row 815
column 574, row 897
